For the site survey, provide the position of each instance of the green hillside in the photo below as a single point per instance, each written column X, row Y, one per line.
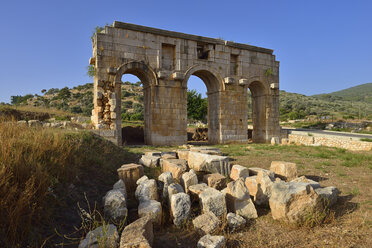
column 352, row 103
column 359, row 93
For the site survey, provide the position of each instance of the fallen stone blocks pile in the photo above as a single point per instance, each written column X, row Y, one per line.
column 199, row 186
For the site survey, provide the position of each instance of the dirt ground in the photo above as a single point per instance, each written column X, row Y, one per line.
column 349, row 223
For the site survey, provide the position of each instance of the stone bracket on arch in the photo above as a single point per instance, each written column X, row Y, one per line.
column 229, row 80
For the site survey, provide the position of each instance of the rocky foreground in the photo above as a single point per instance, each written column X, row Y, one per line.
column 226, row 195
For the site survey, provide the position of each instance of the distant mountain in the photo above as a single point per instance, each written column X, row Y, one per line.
column 359, row 93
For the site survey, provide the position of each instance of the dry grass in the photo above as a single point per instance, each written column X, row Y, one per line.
column 37, row 168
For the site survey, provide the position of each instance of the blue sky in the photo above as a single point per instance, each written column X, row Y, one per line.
column 322, row 46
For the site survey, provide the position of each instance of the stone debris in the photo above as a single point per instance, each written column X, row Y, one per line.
column 153, row 154
column 188, row 179
column 169, row 155
column 209, row 241
column 215, row 180
column 173, row 189
column 328, row 195
column 264, row 186
column 180, row 208
column 290, row 201
column 147, row 190
column 183, row 154
column 167, row 179
column 235, row 221
column 239, row 201
column 214, row 201
column 103, row 236
column 197, row 189
column 152, row 209
column 138, row 234
column 149, row 161
column 120, row 185
column 253, row 171
column 142, row 179
column 285, row 170
column 206, row 150
column 209, row 163
column 130, row 173
column 238, row 171
column 34, row 123
column 206, row 223
column 115, row 205
column 176, row 166
column 303, row 179
column 251, row 184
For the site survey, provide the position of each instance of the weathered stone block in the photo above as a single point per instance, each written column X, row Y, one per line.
column 130, row 173
column 209, row 241
column 209, row 163
column 138, row 234
column 215, row 180
column 176, row 166
column 149, row 161
column 151, row 209
column 180, row 207
column 285, row 170
column 238, row 171
column 214, row 201
column 188, row 179
column 206, row 223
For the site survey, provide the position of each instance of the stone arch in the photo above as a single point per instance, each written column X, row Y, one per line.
column 210, row 77
column 148, row 78
column 260, row 92
column 215, row 85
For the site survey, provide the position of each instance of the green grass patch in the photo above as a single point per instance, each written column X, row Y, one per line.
column 366, row 139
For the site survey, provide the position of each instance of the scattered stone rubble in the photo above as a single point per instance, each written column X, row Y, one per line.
column 196, row 180
column 74, row 123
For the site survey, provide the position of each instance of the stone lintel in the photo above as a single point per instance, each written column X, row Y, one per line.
column 174, row 34
column 162, row 74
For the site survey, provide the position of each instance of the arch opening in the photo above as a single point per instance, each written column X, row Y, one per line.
column 257, row 102
column 206, row 83
column 134, row 124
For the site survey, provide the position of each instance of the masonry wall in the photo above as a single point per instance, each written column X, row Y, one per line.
column 163, row 61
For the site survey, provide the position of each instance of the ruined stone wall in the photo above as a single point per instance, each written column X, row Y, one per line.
column 344, row 143
column 164, row 61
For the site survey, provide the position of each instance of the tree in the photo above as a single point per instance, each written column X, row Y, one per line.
column 43, row 91
column 64, row 93
column 197, row 107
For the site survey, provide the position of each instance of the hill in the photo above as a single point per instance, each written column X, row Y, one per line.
column 359, row 93
column 352, row 103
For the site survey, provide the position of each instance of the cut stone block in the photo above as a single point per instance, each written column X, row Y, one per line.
column 183, row 154
column 214, row 201
column 180, row 207
column 264, row 186
column 253, row 171
column 176, row 166
column 103, row 236
column 173, row 189
column 149, row 161
column 235, row 221
column 166, row 177
column 152, row 209
column 120, row 185
column 215, row 180
column 303, row 179
column 153, row 154
column 147, row 190
column 169, row 155
column 209, row 163
column 206, row 150
column 138, row 234
column 291, row 201
column 285, row 170
column 206, row 223
column 209, row 241
column 251, row 184
column 328, row 195
column 197, row 189
column 239, row 201
column 130, row 173
column 188, row 179
column 142, row 180
column 115, row 205
column 238, row 171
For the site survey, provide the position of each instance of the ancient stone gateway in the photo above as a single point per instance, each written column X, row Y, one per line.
column 163, row 61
